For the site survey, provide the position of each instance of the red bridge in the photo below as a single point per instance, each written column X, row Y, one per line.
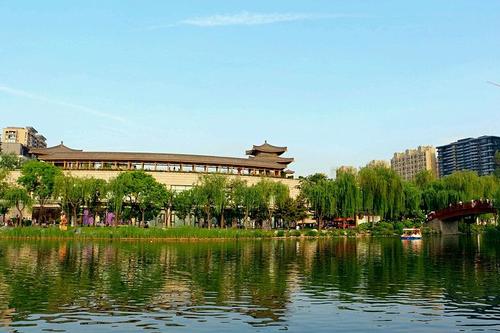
column 446, row 220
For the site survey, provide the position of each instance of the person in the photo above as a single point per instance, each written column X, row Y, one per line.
column 64, row 222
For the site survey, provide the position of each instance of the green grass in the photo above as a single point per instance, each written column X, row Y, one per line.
column 132, row 233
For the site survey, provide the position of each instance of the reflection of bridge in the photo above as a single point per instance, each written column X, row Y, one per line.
column 446, row 220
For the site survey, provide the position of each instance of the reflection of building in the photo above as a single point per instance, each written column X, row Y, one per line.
column 474, row 154
column 413, row 161
column 19, row 140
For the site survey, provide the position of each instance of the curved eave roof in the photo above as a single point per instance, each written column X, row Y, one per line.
column 266, row 148
column 61, row 148
column 159, row 158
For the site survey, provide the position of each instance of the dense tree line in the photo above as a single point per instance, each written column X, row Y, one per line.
column 377, row 190
column 217, row 200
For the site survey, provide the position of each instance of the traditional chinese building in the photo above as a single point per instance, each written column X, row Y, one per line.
column 264, row 160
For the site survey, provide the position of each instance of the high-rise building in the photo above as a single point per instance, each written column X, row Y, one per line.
column 27, row 136
column 19, row 140
column 413, row 161
column 474, row 154
column 379, row 163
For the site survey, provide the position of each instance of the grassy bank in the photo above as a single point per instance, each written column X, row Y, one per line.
column 129, row 232
column 132, row 233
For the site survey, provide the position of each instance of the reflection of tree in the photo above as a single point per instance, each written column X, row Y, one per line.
column 254, row 278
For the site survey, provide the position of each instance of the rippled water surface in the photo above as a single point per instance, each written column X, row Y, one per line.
column 388, row 285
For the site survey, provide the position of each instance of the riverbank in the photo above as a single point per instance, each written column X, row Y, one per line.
column 180, row 233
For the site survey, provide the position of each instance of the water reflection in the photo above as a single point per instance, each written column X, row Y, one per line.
column 445, row 283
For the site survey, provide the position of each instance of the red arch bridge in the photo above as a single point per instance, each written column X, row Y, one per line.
column 446, row 220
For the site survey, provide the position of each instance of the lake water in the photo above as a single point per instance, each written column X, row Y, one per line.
column 443, row 284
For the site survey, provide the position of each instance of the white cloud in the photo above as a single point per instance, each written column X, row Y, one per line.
column 247, row 18
column 28, row 95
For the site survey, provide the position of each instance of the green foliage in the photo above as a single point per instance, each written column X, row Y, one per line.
column 10, row 161
column 497, row 165
column 131, row 232
column 140, row 192
column 348, row 193
column 319, row 193
column 19, row 198
column 38, row 178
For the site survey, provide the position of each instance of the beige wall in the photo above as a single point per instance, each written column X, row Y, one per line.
column 412, row 161
column 176, row 180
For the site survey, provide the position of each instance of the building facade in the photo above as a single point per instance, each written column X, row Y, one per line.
column 379, row 164
column 177, row 171
column 412, row 161
column 26, row 136
column 474, row 154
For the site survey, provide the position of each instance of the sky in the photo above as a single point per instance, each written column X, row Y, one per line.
column 337, row 82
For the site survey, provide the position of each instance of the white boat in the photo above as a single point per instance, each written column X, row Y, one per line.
column 411, row 233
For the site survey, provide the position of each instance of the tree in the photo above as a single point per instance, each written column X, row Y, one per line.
column 18, row 197
column 348, row 194
column 139, row 190
column 424, row 178
column 319, row 193
column 290, row 211
column 71, row 191
column 269, row 196
column 210, row 194
column 38, row 178
column 165, row 199
column 10, row 161
column 382, row 192
column 497, row 164
column 93, row 190
column 245, row 198
column 183, row 203
column 412, row 197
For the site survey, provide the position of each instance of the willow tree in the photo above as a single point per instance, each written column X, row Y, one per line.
column 347, row 193
column 319, row 192
column 70, row 190
column 210, row 194
column 413, row 200
column 18, row 197
column 382, row 191
column 94, row 190
column 269, row 195
column 38, row 178
column 242, row 199
column 183, row 203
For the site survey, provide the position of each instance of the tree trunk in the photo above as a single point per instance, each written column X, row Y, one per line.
column 143, row 212
column 209, row 220
column 41, row 217
column 20, row 213
column 74, row 217
column 222, row 221
column 246, row 220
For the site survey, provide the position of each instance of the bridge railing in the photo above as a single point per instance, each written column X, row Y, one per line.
column 468, row 208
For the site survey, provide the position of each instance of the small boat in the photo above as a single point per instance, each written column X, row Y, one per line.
column 411, row 234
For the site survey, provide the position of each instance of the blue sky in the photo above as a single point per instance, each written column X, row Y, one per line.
column 338, row 82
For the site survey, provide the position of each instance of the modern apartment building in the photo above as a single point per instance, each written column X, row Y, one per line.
column 474, row 154
column 27, row 136
column 412, row 161
column 379, row 163
column 19, row 140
